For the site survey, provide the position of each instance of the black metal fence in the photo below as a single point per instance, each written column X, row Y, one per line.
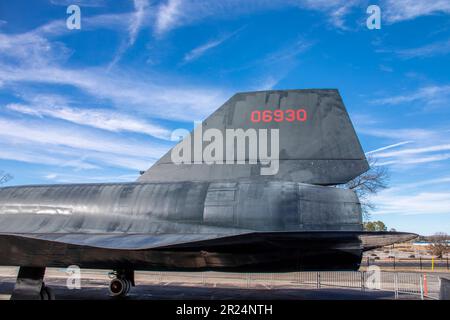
column 422, row 264
column 419, row 284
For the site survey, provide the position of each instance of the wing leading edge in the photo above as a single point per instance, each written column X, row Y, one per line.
column 122, row 241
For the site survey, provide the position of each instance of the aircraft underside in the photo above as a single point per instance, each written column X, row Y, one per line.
column 254, row 252
column 250, row 253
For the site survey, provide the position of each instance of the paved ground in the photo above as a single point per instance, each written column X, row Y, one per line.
column 169, row 292
column 95, row 283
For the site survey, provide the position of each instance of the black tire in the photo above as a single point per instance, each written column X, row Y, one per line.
column 128, row 286
column 118, row 288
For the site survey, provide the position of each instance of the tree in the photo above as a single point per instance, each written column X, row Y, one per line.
column 375, row 226
column 369, row 183
column 5, row 177
column 439, row 245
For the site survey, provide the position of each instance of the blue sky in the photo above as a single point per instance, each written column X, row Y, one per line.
column 99, row 104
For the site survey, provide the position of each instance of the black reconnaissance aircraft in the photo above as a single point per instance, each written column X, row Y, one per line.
column 224, row 215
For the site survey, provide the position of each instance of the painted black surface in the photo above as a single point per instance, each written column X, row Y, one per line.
column 210, row 217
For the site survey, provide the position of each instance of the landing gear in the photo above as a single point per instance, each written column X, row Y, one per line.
column 121, row 283
column 47, row 293
column 119, row 287
column 30, row 285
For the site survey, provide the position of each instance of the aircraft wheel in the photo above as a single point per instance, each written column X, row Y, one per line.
column 128, row 288
column 47, row 293
column 118, row 287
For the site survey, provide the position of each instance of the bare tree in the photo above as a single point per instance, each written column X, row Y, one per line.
column 438, row 244
column 5, row 177
column 369, row 183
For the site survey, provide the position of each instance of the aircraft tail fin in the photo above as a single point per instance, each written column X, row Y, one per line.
column 295, row 135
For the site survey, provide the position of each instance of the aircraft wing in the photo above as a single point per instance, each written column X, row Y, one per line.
column 119, row 241
column 142, row 241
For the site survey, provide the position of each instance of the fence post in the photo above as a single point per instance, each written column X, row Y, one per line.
column 318, row 280
column 363, row 287
column 421, row 287
column 420, row 259
column 425, row 285
column 396, row 284
column 394, row 262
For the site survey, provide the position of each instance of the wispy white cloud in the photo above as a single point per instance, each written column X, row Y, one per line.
column 73, row 146
column 268, row 82
column 416, row 160
column 424, row 197
column 424, row 146
column 388, row 147
column 401, row 10
column 413, row 204
column 50, row 106
column 289, row 52
column 202, row 49
column 31, row 58
column 385, row 68
column 119, row 22
column 279, row 63
column 199, row 51
column 426, row 51
column 140, row 7
column 124, row 89
column 30, row 154
column 444, row 147
column 415, row 134
column 84, row 3
column 413, row 185
column 420, row 197
column 173, row 14
column 33, row 47
column 338, row 11
column 430, row 95
column 37, row 47
column 169, row 15
column 74, row 137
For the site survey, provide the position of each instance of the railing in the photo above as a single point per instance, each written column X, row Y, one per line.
column 409, row 264
column 419, row 284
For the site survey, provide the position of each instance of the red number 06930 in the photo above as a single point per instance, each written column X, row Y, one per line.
column 278, row 115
